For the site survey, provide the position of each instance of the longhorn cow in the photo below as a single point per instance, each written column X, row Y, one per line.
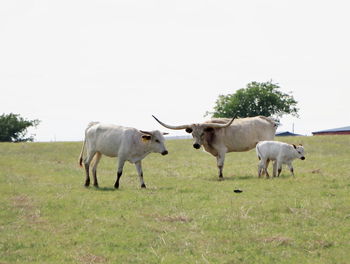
column 222, row 135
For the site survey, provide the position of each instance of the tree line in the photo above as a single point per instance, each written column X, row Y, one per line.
column 255, row 99
column 14, row 128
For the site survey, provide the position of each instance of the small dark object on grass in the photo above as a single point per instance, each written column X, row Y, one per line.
column 237, row 191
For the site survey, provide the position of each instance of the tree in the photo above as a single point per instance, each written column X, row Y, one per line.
column 256, row 99
column 13, row 128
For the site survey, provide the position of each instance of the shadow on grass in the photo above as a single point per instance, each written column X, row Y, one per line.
column 232, row 178
column 166, row 188
column 285, row 176
column 104, row 189
column 243, row 177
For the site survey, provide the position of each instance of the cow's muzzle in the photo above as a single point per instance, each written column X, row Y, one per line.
column 165, row 152
column 302, row 158
column 196, row 145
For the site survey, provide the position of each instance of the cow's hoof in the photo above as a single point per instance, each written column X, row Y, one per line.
column 87, row 183
column 143, row 186
column 221, row 178
column 96, row 185
column 116, row 185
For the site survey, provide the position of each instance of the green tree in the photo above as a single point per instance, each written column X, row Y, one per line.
column 256, row 99
column 13, row 128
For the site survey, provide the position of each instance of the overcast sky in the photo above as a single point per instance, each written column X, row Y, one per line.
column 70, row 62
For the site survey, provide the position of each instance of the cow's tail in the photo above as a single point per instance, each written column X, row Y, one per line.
column 82, row 149
column 81, row 154
column 257, row 151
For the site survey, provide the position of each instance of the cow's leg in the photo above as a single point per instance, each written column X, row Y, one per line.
column 266, row 166
column 279, row 168
column 291, row 168
column 87, row 162
column 120, row 172
column 220, row 162
column 274, row 168
column 138, row 166
column 261, row 167
column 94, row 168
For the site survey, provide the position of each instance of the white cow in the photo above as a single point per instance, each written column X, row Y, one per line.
column 280, row 153
column 222, row 135
column 126, row 143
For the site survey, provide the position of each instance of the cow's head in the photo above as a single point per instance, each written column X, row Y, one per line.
column 155, row 140
column 200, row 132
column 300, row 151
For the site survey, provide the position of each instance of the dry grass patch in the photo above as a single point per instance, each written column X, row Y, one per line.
column 91, row 259
column 172, row 218
column 27, row 209
column 280, row 240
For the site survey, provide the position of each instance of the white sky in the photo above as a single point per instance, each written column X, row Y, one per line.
column 70, row 62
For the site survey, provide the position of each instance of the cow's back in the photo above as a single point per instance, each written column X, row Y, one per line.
column 245, row 133
column 269, row 149
column 106, row 138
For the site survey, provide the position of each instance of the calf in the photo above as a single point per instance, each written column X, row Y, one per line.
column 126, row 143
column 280, row 153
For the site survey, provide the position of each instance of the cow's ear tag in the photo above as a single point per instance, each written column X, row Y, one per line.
column 146, row 138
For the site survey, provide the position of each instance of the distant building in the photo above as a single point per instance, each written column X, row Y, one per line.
column 334, row 131
column 286, row 134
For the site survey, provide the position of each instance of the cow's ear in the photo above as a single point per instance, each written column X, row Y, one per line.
column 146, row 138
column 189, row 130
column 294, row 146
column 209, row 129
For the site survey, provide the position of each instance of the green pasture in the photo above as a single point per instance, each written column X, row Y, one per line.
column 184, row 216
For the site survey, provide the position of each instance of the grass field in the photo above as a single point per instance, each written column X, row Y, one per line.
column 184, row 216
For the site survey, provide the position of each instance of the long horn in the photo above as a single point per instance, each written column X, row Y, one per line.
column 216, row 125
column 171, row 127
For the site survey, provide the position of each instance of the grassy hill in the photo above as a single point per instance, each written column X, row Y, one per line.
column 184, row 216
